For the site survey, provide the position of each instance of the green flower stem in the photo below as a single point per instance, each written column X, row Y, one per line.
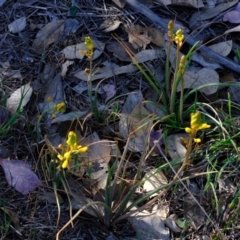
column 175, row 82
column 181, row 99
column 167, row 69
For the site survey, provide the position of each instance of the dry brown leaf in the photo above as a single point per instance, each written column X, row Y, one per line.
column 110, row 25
column 148, row 55
column 196, row 78
column 49, row 34
column 154, row 179
column 72, row 52
column 18, row 25
column 65, row 67
column 95, row 160
column 136, row 125
column 157, row 36
column 188, row 3
column 20, row 96
column 138, row 36
column 175, row 147
column 222, row 48
column 119, row 52
column 213, row 12
column 106, row 71
column 139, row 121
column 119, row 3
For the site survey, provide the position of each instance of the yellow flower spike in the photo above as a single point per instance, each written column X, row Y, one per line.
column 72, row 139
column 71, row 147
column 89, row 43
column 170, row 30
column 61, row 107
column 182, row 64
column 179, row 37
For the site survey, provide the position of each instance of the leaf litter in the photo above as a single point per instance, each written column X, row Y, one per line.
column 57, row 44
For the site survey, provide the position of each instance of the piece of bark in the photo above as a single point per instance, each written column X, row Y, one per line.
column 163, row 23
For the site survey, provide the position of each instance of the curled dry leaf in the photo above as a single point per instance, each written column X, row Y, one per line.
column 65, row 67
column 19, row 98
column 20, row 176
column 174, row 146
column 154, row 180
column 197, row 78
column 47, row 35
column 18, row 25
column 72, row 52
column 138, row 36
column 110, row 25
column 235, row 29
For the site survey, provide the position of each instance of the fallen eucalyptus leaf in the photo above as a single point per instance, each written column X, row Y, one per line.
column 49, row 34
column 196, row 78
column 18, row 25
column 20, row 176
column 19, row 98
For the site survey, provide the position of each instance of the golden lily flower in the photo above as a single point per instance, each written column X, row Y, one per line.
column 71, row 148
column 90, row 46
column 196, row 124
column 179, row 37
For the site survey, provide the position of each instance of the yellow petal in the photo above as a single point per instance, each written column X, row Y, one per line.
column 60, row 157
column 67, row 155
column 188, row 130
column 82, row 149
column 197, row 140
column 65, row 164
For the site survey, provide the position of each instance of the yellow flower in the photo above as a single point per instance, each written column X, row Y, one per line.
column 197, row 140
column 196, row 122
column 182, row 64
column 196, row 125
column 60, row 107
column 170, row 30
column 179, row 37
column 69, row 149
column 89, row 43
column 90, row 46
